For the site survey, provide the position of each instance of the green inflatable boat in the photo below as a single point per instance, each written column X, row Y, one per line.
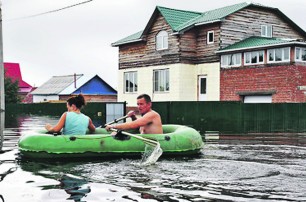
column 176, row 140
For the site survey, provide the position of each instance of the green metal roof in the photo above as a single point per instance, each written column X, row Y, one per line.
column 214, row 15
column 176, row 18
column 181, row 20
column 131, row 38
column 221, row 13
column 254, row 42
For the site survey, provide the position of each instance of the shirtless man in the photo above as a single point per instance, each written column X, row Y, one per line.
column 149, row 123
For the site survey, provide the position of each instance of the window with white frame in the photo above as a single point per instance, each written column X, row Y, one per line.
column 279, row 55
column 300, row 54
column 161, row 80
column 231, row 60
column 162, row 40
column 210, row 37
column 266, row 31
column 130, row 82
column 254, row 57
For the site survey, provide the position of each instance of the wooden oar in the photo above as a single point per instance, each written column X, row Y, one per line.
column 154, row 155
column 115, row 120
column 145, row 140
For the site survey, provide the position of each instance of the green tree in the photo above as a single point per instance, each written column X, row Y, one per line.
column 11, row 90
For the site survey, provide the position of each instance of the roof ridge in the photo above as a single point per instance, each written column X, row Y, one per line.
column 69, row 75
column 11, row 63
column 189, row 21
column 209, row 12
column 179, row 9
column 176, row 17
column 243, row 4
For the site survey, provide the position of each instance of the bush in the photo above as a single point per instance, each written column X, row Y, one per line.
column 11, row 90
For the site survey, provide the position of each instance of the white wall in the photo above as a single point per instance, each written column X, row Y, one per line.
column 212, row 71
column 44, row 98
column 183, row 83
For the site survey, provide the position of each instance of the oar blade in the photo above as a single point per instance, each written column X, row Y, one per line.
column 151, row 155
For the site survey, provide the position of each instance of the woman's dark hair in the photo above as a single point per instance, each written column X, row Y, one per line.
column 78, row 101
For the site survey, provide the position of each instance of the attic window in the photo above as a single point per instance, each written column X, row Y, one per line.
column 210, row 37
column 266, row 31
column 162, row 40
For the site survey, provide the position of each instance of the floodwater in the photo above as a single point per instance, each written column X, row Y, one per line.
column 262, row 167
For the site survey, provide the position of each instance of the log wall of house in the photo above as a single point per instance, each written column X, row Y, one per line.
column 144, row 54
column 188, row 46
column 194, row 48
column 206, row 53
column 247, row 22
column 131, row 55
column 284, row 81
column 191, row 47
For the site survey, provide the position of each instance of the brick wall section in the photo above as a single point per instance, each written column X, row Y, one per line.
column 283, row 80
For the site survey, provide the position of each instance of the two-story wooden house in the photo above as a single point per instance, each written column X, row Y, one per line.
column 246, row 52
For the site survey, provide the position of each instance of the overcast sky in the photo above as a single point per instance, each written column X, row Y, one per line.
column 78, row 39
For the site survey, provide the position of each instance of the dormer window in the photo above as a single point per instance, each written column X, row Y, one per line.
column 162, row 40
column 210, row 37
column 266, row 31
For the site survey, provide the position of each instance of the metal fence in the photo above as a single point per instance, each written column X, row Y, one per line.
column 235, row 117
column 224, row 117
column 101, row 112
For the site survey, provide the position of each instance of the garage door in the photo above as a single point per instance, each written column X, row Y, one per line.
column 258, row 99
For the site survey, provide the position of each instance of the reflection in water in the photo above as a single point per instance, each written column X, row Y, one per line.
column 74, row 186
column 1, row 130
column 9, row 171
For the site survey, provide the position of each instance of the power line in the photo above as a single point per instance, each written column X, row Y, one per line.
column 52, row 11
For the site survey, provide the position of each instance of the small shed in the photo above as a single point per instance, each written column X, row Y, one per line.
column 58, row 88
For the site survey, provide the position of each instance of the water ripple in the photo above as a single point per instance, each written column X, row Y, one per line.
column 245, row 168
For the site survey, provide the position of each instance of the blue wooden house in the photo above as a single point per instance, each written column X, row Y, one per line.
column 58, row 88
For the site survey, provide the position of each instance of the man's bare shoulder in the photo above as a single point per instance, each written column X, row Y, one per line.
column 151, row 113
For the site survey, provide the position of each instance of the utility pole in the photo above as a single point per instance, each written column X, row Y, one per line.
column 1, row 84
column 2, row 100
